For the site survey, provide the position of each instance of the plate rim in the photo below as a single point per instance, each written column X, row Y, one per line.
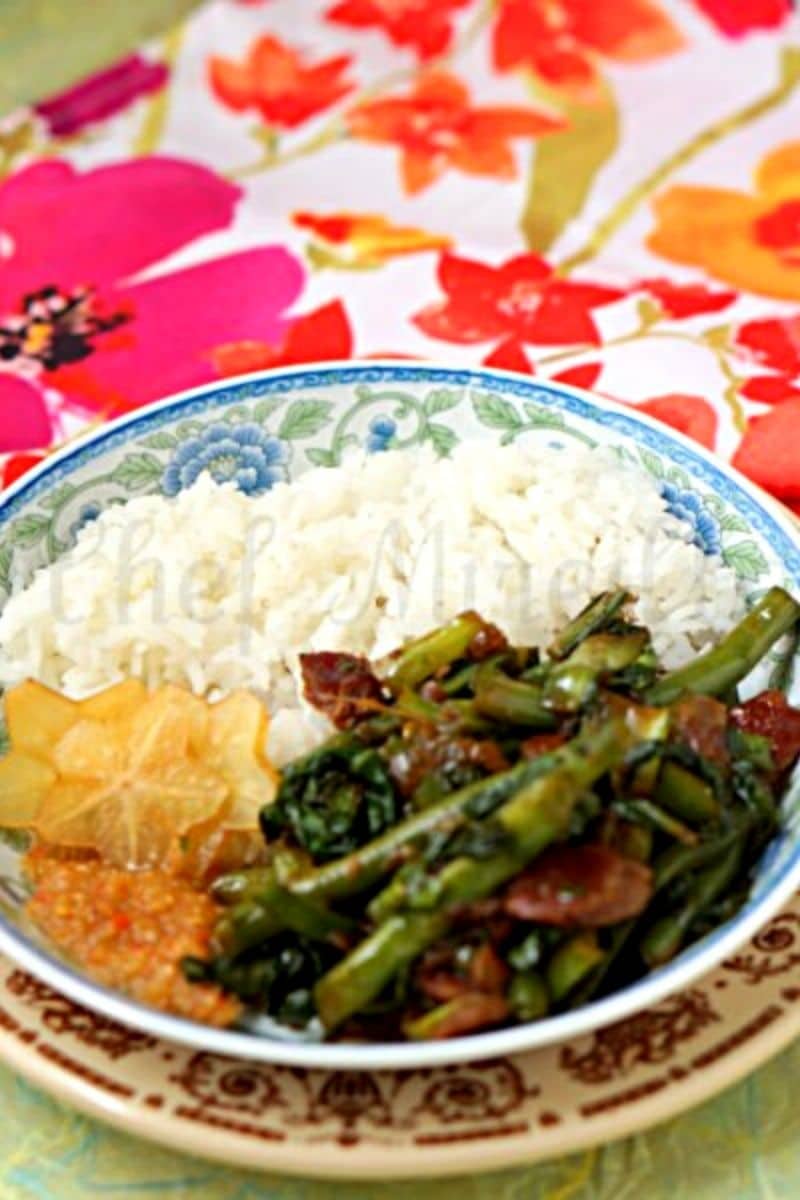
column 517, row 1039
column 371, row 1161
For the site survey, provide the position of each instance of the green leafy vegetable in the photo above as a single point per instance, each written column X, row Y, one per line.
column 333, row 800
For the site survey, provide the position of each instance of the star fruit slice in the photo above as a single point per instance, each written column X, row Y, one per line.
column 128, row 787
column 237, row 740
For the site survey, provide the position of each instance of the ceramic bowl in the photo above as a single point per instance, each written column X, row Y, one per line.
column 274, row 425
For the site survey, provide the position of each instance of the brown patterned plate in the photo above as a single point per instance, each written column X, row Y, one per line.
column 455, row 1119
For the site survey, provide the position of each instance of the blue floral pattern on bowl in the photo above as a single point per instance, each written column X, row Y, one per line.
column 89, row 512
column 380, row 432
column 242, row 454
column 690, row 508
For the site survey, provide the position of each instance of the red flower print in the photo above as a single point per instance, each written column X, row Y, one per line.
column 735, row 18
column 691, row 415
column 522, row 299
column 686, row 299
column 76, row 317
column 773, row 342
column 275, row 80
column 425, row 26
column 509, row 355
column 436, row 127
column 769, row 389
column 16, row 465
column 769, row 452
column 560, row 40
column 584, row 376
column 324, row 333
column 102, row 95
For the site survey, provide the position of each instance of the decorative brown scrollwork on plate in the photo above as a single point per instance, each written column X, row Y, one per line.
column 62, row 1016
column 471, row 1093
column 776, row 949
column 344, row 1100
column 350, row 1099
column 233, row 1085
column 650, row 1037
column 345, row 1105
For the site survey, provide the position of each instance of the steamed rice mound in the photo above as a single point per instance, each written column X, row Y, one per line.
column 219, row 591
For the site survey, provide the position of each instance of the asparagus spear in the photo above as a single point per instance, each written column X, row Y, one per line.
column 654, row 817
column 528, row 996
column 569, row 687
column 607, row 652
column 682, row 860
column 245, row 925
column 263, row 913
column 362, row 975
column 664, row 939
column 686, row 795
column 510, row 700
column 597, row 614
column 566, row 686
column 425, row 655
column 241, row 885
column 735, row 656
column 572, row 962
column 571, row 684
column 537, row 815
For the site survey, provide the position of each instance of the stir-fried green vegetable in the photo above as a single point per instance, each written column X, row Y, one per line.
column 496, row 833
column 532, row 818
column 334, row 799
column 729, row 662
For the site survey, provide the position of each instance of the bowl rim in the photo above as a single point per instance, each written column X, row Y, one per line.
column 283, row 1049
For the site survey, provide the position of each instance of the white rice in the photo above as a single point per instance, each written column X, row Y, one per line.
column 218, row 591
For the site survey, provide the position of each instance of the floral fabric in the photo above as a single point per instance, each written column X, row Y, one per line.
column 605, row 193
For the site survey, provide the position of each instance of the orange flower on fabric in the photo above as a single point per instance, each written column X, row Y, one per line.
column 436, row 127
column 324, row 333
column 560, row 40
column 367, row 239
column 749, row 240
column 279, row 83
column 425, row 26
